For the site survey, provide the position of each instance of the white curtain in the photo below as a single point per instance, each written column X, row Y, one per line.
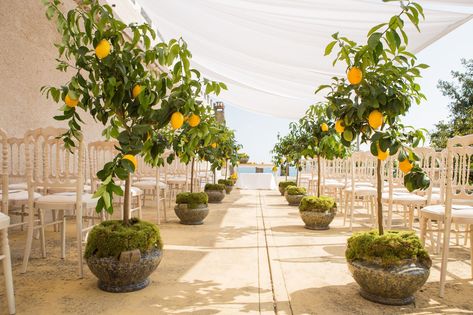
column 270, row 52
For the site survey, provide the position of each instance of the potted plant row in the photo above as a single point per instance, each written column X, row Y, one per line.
column 294, row 195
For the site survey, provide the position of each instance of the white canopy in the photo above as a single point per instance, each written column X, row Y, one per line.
column 270, row 52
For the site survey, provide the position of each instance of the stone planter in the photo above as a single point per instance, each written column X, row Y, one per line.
column 318, row 220
column 228, row 189
column 391, row 286
column 191, row 216
column 215, row 196
column 124, row 276
column 282, row 190
column 294, row 200
column 244, row 160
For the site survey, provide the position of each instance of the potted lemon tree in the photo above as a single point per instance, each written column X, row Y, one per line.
column 389, row 266
column 115, row 79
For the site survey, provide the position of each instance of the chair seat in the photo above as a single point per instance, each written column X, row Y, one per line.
column 20, row 196
column 149, row 184
column 334, row 184
column 135, row 191
column 64, row 201
column 362, row 190
column 177, row 181
column 405, row 198
column 439, row 210
column 4, row 221
column 21, row 186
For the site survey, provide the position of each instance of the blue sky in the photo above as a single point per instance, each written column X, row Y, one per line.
column 257, row 132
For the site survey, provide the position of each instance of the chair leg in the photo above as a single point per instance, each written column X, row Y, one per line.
column 29, row 239
column 345, row 207
column 7, row 271
column 79, row 239
column 439, row 235
column 445, row 248
column 471, row 248
column 63, row 236
column 431, row 235
column 352, row 210
column 411, row 216
column 423, row 228
column 41, row 233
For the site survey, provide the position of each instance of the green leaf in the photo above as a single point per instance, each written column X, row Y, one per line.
column 329, row 48
column 373, row 40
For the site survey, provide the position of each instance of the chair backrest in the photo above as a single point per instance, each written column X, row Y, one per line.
column 459, row 171
column 49, row 164
column 362, row 168
column 99, row 153
column 4, row 154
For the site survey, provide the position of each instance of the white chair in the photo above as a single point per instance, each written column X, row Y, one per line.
column 50, row 165
column 458, row 207
column 334, row 175
column 5, row 256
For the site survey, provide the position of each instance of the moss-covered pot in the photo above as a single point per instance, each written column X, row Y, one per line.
column 191, row 208
column 194, row 215
column 317, row 212
column 282, row 186
column 244, row 160
column 294, row 200
column 294, row 195
column 228, row 184
column 122, row 258
column 215, row 192
column 389, row 268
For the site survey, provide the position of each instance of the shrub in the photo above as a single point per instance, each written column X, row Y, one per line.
column 219, row 187
column 391, row 249
column 294, row 190
column 110, row 238
column 192, row 199
column 317, row 204
column 285, row 184
column 226, row 182
column 243, row 156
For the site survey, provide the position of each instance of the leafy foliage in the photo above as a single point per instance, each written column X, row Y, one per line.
column 318, row 204
column 294, row 190
column 219, row 187
column 192, row 199
column 103, row 84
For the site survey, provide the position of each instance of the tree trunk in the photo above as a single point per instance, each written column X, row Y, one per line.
column 379, row 190
column 192, row 175
column 127, row 201
column 215, row 177
column 286, row 171
column 297, row 175
column 318, row 176
column 226, row 169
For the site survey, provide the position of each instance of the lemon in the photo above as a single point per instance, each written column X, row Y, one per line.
column 136, row 90
column 355, row 75
column 103, row 49
column 339, row 126
column 348, row 135
column 382, row 155
column 132, row 159
column 71, row 102
column 375, row 119
column 213, row 145
column 405, row 166
column 324, row 127
column 177, row 119
column 194, row 120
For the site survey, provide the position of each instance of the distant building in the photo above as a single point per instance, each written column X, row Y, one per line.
column 219, row 109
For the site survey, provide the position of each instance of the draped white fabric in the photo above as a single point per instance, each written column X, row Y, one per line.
column 270, row 52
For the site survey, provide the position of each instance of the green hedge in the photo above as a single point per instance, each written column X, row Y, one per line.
column 288, row 183
column 110, row 238
column 294, row 190
column 226, row 182
column 391, row 249
column 219, row 187
column 192, row 199
column 317, row 204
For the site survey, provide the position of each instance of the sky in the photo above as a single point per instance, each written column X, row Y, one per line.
column 257, row 132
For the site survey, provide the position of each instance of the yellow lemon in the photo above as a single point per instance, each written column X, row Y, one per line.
column 132, row 159
column 375, row 119
column 177, row 119
column 103, row 49
column 339, row 126
column 70, row 102
column 194, row 120
column 324, row 127
column 355, row 75
column 405, row 166
column 136, row 90
column 382, row 155
column 213, row 145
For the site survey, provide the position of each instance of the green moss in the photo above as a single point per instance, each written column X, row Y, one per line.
column 294, row 190
column 285, row 184
column 391, row 249
column 110, row 238
column 317, row 204
column 218, row 187
column 192, row 199
column 226, row 182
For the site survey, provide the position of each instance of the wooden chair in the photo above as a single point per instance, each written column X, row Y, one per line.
column 51, row 166
column 6, row 258
column 458, row 207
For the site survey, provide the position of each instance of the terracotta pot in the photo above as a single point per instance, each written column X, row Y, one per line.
column 391, row 286
column 294, row 200
column 215, row 196
column 119, row 276
column 318, row 220
column 191, row 216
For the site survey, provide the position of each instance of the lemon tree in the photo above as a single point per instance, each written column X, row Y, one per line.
column 323, row 138
column 380, row 87
column 121, row 79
